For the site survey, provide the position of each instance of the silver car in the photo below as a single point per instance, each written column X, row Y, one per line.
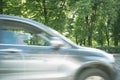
column 32, row 51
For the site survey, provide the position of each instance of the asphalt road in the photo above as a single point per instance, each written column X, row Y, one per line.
column 117, row 65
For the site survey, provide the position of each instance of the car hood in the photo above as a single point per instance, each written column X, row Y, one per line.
column 96, row 52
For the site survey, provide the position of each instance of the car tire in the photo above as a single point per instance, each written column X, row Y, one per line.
column 93, row 74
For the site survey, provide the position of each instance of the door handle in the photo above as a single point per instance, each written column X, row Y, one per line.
column 11, row 50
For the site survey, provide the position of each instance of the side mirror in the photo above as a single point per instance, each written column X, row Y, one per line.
column 56, row 43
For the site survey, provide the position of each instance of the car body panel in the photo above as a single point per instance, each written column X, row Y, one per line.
column 34, row 62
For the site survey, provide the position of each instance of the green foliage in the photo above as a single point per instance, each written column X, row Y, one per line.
column 86, row 22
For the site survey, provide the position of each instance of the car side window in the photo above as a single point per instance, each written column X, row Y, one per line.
column 21, row 34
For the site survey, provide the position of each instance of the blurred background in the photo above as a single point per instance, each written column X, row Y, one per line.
column 94, row 23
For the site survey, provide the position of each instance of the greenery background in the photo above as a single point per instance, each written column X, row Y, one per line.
column 94, row 23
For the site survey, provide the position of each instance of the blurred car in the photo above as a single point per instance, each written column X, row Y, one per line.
column 32, row 51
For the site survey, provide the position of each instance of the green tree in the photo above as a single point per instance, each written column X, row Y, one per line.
column 116, row 30
column 86, row 22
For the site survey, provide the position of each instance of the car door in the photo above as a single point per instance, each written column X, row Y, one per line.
column 23, row 62
column 27, row 54
column 11, row 58
column 41, row 62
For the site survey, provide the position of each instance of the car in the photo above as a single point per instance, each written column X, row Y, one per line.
column 29, row 50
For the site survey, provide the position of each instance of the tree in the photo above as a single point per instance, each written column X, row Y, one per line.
column 86, row 22
column 116, row 30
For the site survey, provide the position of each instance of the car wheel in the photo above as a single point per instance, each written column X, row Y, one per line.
column 94, row 74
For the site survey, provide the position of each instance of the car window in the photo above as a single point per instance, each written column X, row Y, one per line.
column 14, row 32
column 19, row 33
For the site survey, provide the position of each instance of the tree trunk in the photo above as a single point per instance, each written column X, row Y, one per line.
column 90, row 38
column 100, row 36
column 1, row 6
column 116, row 35
column 106, row 31
column 116, row 30
column 76, row 38
column 45, row 11
column 89, row 30
column 116, row 41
